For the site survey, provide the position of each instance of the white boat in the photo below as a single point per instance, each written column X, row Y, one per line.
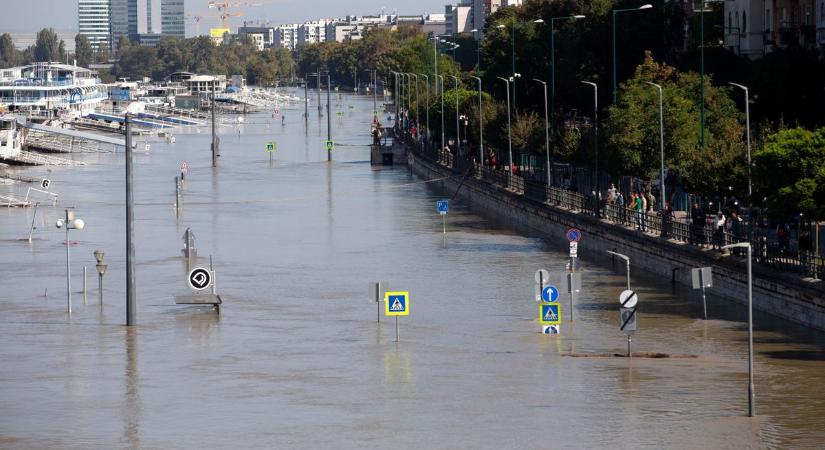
column 11, row 141
column 47, row 89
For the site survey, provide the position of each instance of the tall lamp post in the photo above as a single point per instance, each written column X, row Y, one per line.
column 509, row 131
column 513, row 45
column 480, row 126
column 478, row 48
column 595, row 131
column 441, row 80
column 427, row 109
column 747, row 136
column 417, row 102
column 457, row 120
column 751, row 389
column 661, row 147
column 617, row 11
column 546, row 129
column 69, row 223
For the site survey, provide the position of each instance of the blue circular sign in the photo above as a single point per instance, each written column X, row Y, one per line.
column 574, row 235
column 550, row 294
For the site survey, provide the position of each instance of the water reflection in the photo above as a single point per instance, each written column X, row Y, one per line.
column 131, row 398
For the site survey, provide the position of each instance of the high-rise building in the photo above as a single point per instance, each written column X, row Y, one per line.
column 145, row 21
column 286, row 36
column 459, row 18
column 93, row 22
column 312, row 32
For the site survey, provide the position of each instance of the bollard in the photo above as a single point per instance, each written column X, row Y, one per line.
column 84, row 285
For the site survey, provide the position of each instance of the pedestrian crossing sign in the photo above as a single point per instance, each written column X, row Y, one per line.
column 397, row 303
column 550, row 313
column 270, row 146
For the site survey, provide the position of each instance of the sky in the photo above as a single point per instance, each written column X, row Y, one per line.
column 24, row 16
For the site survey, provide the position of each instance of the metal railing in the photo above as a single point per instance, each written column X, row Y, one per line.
column 650, row 223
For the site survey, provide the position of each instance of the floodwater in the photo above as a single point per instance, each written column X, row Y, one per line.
column 296, row 358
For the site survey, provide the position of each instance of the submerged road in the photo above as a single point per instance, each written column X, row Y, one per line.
column 296, row 358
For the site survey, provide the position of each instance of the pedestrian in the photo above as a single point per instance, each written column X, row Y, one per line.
column 638, row 209
column 642, row 211
column 735, row 229
column 719, row 231
column 620, row 210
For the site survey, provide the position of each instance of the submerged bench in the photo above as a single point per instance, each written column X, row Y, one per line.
column 200, row 300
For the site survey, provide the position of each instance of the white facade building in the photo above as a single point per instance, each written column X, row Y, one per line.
column 286, row 36
column 93, row 22
column 312, row 32
column 458, row 18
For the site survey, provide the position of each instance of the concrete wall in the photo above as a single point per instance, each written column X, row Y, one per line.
column 775, row 293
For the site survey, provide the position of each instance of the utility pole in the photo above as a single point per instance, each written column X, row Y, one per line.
column 131, row 303
column 320, row 108
column 306, row 102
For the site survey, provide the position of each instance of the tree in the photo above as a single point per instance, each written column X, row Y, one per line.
column 83, row 50
column 790, row 173
column 49, row 47
column 632, row 129
column 9, row 55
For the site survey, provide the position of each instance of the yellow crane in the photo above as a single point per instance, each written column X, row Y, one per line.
column 223, row 7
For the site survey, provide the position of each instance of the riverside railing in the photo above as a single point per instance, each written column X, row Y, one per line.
column 650, row 223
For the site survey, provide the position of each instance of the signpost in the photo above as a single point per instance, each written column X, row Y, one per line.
column 549, row 294
column 574, row 249
column 271, row 147
column 329, row 145
column 397, row 304
column 378, row 290
column 199, row 278
column 550, row 317
column 627, row 316
column 45, row 183
column 573, row 283
column 703, row 278
column 184, row 169
column 574, row 235
column 542, row 278
column 442, row 206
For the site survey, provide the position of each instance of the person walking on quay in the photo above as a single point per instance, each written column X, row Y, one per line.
column 639, row 210
column 735, row 229
column 719, row 232
column 620, row 209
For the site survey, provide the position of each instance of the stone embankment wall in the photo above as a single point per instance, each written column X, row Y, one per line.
column 781, row 294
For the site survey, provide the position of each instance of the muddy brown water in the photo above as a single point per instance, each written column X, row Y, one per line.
column 296, row 358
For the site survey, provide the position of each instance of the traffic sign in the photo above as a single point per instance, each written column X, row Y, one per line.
column 398, row 303
column 550, row 313
column 549, row 294
column 270, row 146
column 184, row 166
column 45, row 183
column 199, row 278
column 550, row 329
column 574, row 249
column 442, row 206
column 574, row 235
column 702, row 277
column 628, row 299
column 627, row 320
column 542, row 277
column 329, row 145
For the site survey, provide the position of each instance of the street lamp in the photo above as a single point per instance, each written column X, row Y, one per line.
column 480, row 126
column 69, row 223
column 546, row 128
column 595, row 130
column 441, row 80
column 627, row 265
column 457, row 120
column 747, row 135
column 616, row 11
column 417, row 125
column 751, row 389
column 661, row 149
column 509, row 131
column 553, row 58
column 101, row 269
column 427, row 109
column 513, row 45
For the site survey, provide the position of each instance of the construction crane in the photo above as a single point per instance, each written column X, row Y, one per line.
column 223, row 8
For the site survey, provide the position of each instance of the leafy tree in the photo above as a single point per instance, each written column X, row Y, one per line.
column 9, row 55
column 83, row 50
column 632, row 129
column 49, row 47
column 790, row 173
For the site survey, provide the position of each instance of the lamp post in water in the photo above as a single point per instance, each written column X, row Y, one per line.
column 627, row 265
column 751, row 389
column 69, row 223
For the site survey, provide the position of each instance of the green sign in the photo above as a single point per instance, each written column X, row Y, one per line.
column 330, row 145
column 271, row 146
